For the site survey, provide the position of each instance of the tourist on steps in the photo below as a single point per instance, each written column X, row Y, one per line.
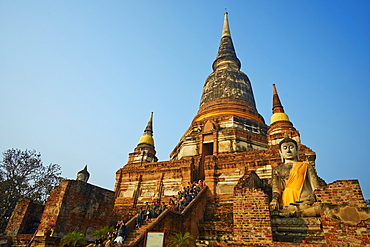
column 139, row 217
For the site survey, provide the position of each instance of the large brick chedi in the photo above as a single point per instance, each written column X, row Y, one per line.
column 229, row 145
column 240, row 158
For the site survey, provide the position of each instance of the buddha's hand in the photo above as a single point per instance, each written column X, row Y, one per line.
column 274, row 204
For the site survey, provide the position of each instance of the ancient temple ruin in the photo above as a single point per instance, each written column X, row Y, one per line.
column 229, row 146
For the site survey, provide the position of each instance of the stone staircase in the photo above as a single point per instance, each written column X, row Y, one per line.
column 136, row 233
column 186, row 221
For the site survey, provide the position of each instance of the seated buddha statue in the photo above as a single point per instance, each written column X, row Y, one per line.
column 293, row 182
column 83, row 175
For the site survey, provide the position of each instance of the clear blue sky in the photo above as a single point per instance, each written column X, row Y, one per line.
column 78, row 79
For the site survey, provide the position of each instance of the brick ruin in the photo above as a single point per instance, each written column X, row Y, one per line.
column 72, row 206
column 231, row 148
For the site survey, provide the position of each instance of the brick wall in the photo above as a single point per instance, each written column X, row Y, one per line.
column 33, row 218
column 252, row 217
column 25, row 218
column 77, row 206
column 341, row 192
column 338, row 233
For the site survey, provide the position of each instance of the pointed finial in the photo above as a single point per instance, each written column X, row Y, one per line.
column 277, row 107
column 148, row 132
column 286, row 136
column 278, row 113
column 149, row 127
column 226, row 56
column 226, row 29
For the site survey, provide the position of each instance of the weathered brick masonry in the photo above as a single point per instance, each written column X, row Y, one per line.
column 77, row 206
column 338, row 233
column 252, row 224
column 25, row 218
column 342, row 192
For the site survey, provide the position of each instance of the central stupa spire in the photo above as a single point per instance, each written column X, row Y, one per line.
column 227, row 119
column 227, row 88
column 226, row 53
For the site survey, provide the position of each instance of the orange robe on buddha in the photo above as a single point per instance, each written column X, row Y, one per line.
column 294, row 185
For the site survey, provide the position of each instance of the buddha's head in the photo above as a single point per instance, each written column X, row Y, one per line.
column 288, row 150
column 83, row 175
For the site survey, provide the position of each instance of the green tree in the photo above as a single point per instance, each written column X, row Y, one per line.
column 367, row 203
column 22, row 174
column 73, row 239
column 181, row 240
column 102, row 231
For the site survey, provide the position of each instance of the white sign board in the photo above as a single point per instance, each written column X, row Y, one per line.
column 154, row 239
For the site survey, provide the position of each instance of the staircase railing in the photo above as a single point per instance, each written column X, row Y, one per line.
column 171, row 221
column 131, row 224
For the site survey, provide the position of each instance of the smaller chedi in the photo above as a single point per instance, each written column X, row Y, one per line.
column 83, row 175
